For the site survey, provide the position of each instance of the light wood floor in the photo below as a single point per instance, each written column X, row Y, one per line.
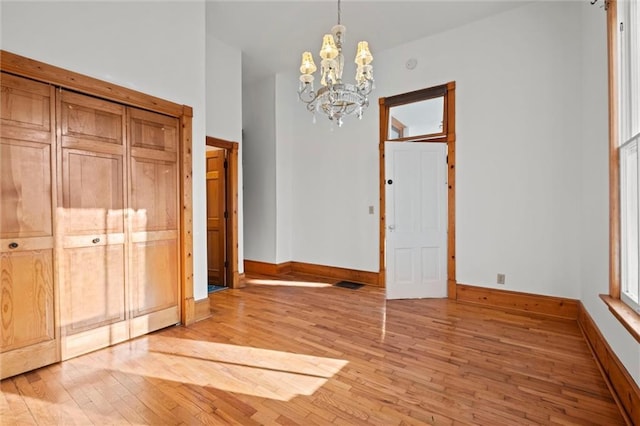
column 298, row 352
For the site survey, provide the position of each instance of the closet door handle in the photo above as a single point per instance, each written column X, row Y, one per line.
column 13, row 245
column 95, row 240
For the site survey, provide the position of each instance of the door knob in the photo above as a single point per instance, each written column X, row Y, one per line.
column 391, row 228
column 13, row 245
column 95, row 240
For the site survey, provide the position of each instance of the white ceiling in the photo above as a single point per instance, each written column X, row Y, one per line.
column 273, row 34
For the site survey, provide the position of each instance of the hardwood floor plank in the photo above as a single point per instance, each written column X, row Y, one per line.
column 135, row 385
column 129, row 413
column 12, row 402
column 286, row 352
column 287, row 412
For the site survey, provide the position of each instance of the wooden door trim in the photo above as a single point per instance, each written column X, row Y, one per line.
column 447, row 90
column 187, row 313
column 35, row 70
column 231, row 190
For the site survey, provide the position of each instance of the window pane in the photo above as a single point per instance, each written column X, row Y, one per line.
column 629, row 187
column 417, row 118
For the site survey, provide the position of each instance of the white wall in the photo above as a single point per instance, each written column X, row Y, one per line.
column 223, row 121
column 335, row 181
column 260, row 170
column 594, row 235
column 224, row 90
column 156, row 48
column 284, row 169
column 517, row 175
column 268, row 169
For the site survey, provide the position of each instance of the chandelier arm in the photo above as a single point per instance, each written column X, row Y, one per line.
column 307, row 97
column 307, row 94
column 311, row 107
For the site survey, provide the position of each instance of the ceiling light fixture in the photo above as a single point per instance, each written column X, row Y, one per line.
column 335, row 98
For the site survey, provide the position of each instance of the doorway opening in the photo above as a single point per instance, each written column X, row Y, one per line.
column 395, row 115
column 222, row 212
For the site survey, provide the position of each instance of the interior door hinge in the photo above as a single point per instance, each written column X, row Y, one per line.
column 226, row 164
column 447, row 159
column 226, row 215
column 226, row 263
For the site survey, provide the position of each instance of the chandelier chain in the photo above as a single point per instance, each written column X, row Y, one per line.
column 339, row 12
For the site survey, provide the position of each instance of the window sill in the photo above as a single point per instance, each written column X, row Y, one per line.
column 627, row 316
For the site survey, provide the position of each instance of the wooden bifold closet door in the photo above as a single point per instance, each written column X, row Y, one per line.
column 120, row 217
column 89, row 223
column 27, row 168
column 155, row 218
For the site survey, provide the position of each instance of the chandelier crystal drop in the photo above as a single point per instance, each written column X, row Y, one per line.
column 335, row 98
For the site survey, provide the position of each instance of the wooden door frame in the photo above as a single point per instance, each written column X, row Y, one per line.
column 447, row 90
column 231, row 191
column 60, row 77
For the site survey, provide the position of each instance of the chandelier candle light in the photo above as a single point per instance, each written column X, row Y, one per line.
column 335, row 98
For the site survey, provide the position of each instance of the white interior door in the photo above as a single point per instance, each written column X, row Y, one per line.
column 416, row 217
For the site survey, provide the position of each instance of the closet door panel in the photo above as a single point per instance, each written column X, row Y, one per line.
column 93, row 288
column 154, row 291
column 27, row 298
column 28, row 336
column 25, row 187
column 155, row 262
column 154, row 195
column 90, row 119
column 25, row 109
column 93, row 192
column 154, row 221
column 153, row 131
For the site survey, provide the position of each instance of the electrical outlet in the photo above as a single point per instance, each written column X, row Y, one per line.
column 501, row 278
column 370, row 209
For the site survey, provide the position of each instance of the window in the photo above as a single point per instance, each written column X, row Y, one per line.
column 628, row 125
column 623, row 41
column 422, row 119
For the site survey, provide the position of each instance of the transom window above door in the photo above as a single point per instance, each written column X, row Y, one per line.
column 419, row 115
column 422, row 119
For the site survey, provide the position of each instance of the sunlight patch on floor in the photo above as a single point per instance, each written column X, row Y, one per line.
column 27, row 410
column 252, row 371
column 287, row 283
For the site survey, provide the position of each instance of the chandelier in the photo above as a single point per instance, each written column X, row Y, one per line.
column 335, row 98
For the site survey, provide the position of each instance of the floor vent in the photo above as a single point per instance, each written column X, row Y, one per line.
column 349, row 285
